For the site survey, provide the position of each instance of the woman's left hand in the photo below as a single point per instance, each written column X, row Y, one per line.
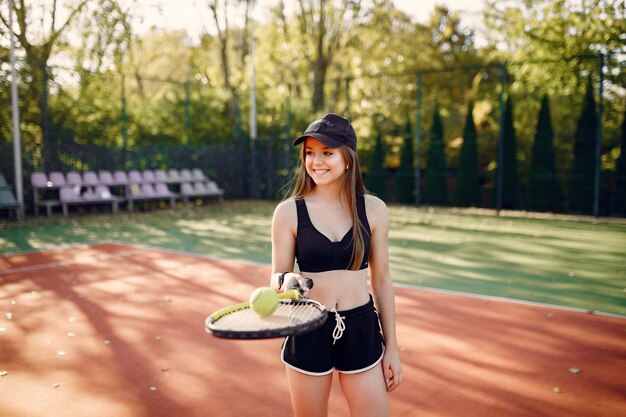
column 392, row 369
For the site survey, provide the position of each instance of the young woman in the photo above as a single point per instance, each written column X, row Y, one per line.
column 336, row 232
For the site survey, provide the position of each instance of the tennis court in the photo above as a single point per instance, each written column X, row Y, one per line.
column 112, row 329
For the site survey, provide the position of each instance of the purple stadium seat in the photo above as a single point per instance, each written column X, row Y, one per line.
column 148, row 176
column 90, row 179
column 100, row 194
column 147, row 190
column 173, row 175
column 212, row 188
column 39, row 180
column 200, row 188
column 160, row 175
column 186, row 189
column 57, row 179
column 69, row 194
column 198, row 175
column 106, row 178
column 185, row 175
column 120, row 178
column 134, row 177
column 73, row 178
column 103, row 193
column 162, row 191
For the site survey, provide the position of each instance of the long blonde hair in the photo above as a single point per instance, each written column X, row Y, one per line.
column 352, row 184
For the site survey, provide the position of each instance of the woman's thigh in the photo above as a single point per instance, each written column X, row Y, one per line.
column 366, row 393
column 309, row 394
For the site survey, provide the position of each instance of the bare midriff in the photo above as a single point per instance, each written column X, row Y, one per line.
column 340, row 289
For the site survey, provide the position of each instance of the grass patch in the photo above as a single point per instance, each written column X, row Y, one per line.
column 558, row 261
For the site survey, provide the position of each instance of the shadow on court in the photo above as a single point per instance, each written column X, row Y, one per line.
column 116, row 330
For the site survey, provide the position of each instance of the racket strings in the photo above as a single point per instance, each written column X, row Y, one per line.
column 286, row 315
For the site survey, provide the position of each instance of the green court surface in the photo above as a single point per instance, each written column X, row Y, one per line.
column 566, row 261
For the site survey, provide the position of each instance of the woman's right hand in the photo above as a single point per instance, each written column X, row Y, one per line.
column 292, row 280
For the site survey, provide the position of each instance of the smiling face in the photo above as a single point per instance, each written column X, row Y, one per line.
column 324, row 165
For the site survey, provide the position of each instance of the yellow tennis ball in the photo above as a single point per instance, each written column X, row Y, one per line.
column 263, row 301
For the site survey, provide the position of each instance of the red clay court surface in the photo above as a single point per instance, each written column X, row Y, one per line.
column 115, row 330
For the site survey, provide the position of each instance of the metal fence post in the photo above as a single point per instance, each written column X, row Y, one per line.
column 15, row 112
column 124, row 119
column 270, row 168
column 500, row 142
column 187, row 116
column 287, row 144
column 596, row 187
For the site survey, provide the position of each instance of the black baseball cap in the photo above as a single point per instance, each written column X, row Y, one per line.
column 332, row 130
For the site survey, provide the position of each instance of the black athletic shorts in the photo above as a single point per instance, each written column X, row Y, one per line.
column 350, row 341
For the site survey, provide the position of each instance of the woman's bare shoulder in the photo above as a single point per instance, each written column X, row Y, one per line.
column 286, row 210
column 375, row 204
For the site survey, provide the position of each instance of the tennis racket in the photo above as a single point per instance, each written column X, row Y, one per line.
column 294, row 315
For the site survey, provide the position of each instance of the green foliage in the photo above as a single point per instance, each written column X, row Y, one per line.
column 376, row 177
column 365, row 70
column 565, row 38
column 543, row 190
column 510, row 180
column 468, row 184
column 582, row 177
column 404, row 185
column 436, row 177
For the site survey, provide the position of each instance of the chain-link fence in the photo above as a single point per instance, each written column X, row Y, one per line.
column 533, row 142
column 537, row 140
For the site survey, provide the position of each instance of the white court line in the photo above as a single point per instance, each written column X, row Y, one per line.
column 508, row 300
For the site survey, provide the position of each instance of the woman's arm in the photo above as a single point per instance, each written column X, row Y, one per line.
column 284, row 228
column 382, row 287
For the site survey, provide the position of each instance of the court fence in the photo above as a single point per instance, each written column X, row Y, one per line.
column 552, row 146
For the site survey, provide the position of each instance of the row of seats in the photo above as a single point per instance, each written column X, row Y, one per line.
column 58, row 179
column 75, row 188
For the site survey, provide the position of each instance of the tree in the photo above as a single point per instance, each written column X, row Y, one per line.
column 543, row 190
column 225, row 32
column 324, row 28
column 155, row 73
column 619, row 201
column 510, row 181
column 555, row 46
column 404, row 185
column 39, row 34
column 468, row 184
column 376, row 174
column 435, row 178
column 582, row 177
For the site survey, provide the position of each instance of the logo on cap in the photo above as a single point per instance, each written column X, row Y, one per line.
column 332, row 130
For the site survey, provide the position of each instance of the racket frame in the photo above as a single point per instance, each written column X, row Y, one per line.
column 293, row 296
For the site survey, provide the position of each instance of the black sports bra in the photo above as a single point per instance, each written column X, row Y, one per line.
column 316, row 253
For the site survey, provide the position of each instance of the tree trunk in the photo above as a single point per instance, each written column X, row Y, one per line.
column 320, row 68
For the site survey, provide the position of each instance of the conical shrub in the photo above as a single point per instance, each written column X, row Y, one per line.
column 435, row 178
column 468, row 185
column 404, row 185
column 542, row 189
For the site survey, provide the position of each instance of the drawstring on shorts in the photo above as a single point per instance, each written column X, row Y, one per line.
column 340, row 326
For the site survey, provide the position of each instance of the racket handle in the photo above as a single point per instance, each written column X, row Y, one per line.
column 296, row 291
column 308, row 283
